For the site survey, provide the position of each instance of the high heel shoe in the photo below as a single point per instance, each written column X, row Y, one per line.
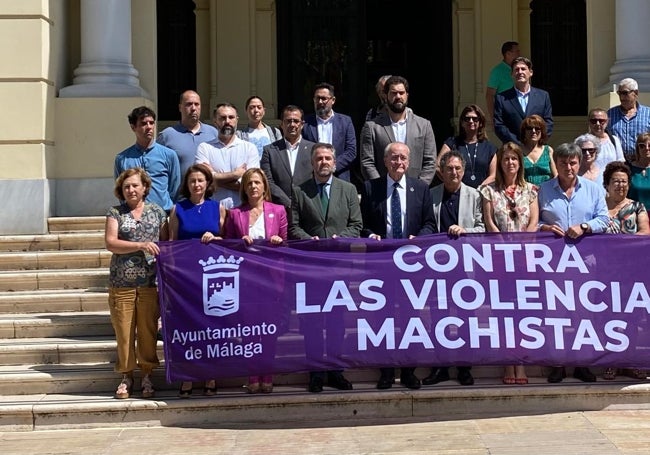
column 210, row 388
column 184, row 392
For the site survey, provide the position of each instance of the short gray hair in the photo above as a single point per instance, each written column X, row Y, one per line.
column 567, row 150
column 322, row 145
column 390, row 145
column 629, row 83
column 580, row 140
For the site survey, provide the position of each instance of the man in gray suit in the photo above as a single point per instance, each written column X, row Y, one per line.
column 400, row 125
column 287, row 162
column 457, row 210
column 325, row 207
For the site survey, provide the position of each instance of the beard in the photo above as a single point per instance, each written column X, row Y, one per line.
column 227, row 130
column 323, row 112
column 397, row 107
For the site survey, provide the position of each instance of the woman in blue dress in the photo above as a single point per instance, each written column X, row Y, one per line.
column 197, row 217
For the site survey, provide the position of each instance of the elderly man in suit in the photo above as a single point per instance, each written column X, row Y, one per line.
column 457, row 210
column 400, row 125
column 396, row 206
column 512, row 106
column 331, row 127
column 287, row 162
column 325, row 207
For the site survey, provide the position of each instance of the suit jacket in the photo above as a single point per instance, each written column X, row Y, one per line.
column 376, row 134
column 343, row 216
column 419, row 208
column 470, row 210
column 344, row 140
column 275, row 221
column 508, row 114
column 275, row 164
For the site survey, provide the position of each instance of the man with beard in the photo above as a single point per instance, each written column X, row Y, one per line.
column 571, row 206
column 332, row 128
column 186, row 135
column 228, row 157
column 400, row 125
column 160, row 162
column 512, row 106
column 324, row 207
column 396, row 206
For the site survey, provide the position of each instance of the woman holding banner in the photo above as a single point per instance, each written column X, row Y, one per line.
column 132, row 228
column 197, row 217
column 510, row 205
column 255, row 219
column 626, row 216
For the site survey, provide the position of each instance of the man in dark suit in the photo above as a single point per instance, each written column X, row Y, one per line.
column 332, row 128
column 457, row 210
column 512, row 106
column 400, row 125
column 325, row 207
column 381, row 199
column 287, row 162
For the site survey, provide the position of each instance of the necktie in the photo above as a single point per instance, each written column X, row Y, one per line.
column 396, row 213
column 324, row 199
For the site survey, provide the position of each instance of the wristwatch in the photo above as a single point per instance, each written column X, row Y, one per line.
column 584, row 227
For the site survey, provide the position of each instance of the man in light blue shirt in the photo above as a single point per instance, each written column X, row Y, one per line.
column 571, row 206
column 160, row 162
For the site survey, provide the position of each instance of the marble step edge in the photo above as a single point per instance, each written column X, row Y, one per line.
column 54, row 300
column 75, row 223
column 31, row 280
column 29, row 325
column 294, row 406
column 46, row 260
column 60, row 241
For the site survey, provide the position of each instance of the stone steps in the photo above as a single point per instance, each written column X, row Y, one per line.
column 54, row 300
column 39, row 260
column 47, row 242
column 33, row 280
column 69, row 324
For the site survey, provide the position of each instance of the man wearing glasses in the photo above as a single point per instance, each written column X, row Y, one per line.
column 571, row 206
column 287, row 162
column 512, row 106
column 630, row 118
column 610, row 145
column 330, row 127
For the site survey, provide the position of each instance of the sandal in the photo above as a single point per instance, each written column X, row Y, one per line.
column 521, row 381
column 124, row 389
column 509, row 380
column 147, row 387
column 184, row 392
column 636, row 373
column 210, row 388
column 609, row 374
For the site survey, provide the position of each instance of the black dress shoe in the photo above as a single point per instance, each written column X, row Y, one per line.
column 410, row 381
column 315, row 384
column 437, row 375
column 465, row 377
column 385, row 382
column 556, row 375
column 337, row 381
column 584, row 374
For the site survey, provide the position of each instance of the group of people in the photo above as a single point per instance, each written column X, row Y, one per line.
column 259, row 182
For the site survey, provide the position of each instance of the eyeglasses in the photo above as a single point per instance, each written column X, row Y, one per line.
column 292, row 120
column 534, row 128
column 593, row 121
column 588, row 150
column 322, row 98
column 470, row 118
column 513, row 213
column 625, row 92
column 619, row 182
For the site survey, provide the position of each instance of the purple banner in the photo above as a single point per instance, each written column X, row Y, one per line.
column 485, row 299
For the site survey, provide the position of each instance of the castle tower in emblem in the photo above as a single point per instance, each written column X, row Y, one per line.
column 221, row 285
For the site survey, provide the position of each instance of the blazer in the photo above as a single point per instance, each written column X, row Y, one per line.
column 376, row 134
column 275, row 221
column 343, row 216
column 508, row 114
column 419, row 208
column 470, row 210
column 344, row 140
column 275, row 164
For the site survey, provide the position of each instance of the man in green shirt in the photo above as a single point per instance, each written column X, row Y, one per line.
column 501, row 75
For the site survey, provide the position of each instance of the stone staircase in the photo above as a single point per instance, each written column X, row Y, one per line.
column 57, row 347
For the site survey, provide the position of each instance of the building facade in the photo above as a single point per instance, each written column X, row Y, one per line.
column 73, row 70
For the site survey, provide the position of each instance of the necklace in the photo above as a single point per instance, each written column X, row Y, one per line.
column 472, row 176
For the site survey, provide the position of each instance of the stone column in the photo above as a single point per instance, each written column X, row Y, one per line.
column 105, row 69
column 632, row 37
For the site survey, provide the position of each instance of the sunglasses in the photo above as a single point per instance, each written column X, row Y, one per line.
column 593, row 121
column 534, row 128
column 588, row 150
column 470, row 118
column 625, row 92
column 513, row 213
